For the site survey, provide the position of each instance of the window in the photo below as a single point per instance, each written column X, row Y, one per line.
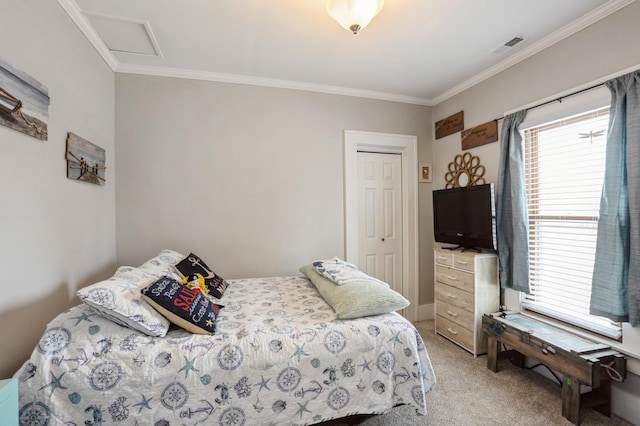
column 564, row 171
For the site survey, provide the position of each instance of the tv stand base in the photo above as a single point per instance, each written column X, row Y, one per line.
column 477, row 250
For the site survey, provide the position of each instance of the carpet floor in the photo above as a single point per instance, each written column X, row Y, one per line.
column 467, row 393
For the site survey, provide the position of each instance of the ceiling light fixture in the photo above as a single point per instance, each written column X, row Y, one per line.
column 354, row 15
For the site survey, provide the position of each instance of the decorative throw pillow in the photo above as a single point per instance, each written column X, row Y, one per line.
column 341, row 272
column 192, row 265
column 163, row 264
column 356, row 299
column 182, row 306
column 119, row 300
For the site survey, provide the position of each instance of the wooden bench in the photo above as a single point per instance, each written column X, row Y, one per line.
column 579, row 360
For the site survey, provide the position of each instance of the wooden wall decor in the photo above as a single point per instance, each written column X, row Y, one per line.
column 24, row 102
column 464, row 170
column 450, row 125
column 480, row 135
column 85, row 161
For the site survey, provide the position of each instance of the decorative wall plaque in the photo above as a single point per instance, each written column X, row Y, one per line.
column 480, row 135
column 424, row 172
column 24, row 102
column 450, row 125
column 85, row 161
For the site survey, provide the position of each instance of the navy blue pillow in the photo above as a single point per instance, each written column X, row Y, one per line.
column 192, row 264
column 182, row 306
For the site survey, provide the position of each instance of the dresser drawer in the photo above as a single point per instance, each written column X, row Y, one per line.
column 466, row 286
column 444, row 257
column 455, row 314
column 455, row 332
column 463, row 261
column 455, row 278
column 454, row 296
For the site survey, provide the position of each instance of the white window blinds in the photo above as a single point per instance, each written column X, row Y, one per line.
column 564, row 171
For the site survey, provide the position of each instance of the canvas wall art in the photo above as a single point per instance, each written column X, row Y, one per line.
column 85, row 161
column 24, row 102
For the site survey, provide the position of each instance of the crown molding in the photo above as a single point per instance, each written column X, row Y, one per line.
column 83, row 24
column 87, row 29
column 568, row 30
column 268, row 82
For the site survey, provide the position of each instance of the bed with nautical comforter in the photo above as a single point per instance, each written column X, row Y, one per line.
column 279, row 355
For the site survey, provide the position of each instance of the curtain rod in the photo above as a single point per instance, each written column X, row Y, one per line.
column 559, row 99
column 630, row 70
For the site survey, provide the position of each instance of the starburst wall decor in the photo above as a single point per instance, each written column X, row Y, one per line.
column 464, row 170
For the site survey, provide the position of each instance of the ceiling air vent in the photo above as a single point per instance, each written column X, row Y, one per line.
column 513, row 41
column 508, row 45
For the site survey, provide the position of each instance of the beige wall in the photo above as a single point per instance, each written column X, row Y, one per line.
column 250, row 178
column 603, row 49
column 56, row 235
column 606, row 47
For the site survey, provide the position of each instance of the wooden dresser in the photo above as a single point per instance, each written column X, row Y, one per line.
column 466, row 287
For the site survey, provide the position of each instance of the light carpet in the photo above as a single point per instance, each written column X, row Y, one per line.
column 467, row 393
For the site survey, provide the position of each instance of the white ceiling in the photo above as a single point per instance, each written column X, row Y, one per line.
column 414, row 51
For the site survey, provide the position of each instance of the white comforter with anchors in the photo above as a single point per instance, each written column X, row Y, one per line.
column 279, row 356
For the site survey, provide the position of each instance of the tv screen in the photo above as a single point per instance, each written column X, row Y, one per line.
column 465, row 217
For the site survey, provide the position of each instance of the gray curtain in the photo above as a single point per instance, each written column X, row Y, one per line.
column 615, row 291
column 511, row 207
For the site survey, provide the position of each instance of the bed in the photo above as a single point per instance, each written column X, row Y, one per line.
column 279, row 355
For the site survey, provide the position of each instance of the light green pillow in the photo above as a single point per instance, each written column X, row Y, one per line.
column 356, row 299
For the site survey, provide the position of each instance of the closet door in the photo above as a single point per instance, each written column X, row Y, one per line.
column 380, row 217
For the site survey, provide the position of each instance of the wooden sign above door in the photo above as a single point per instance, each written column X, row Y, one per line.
column 450, row 125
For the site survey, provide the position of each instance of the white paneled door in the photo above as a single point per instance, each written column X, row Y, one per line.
column 380, row 217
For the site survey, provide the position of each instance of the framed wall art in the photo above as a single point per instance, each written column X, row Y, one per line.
column 424, row 173
column 85, row 161
column 24, row 102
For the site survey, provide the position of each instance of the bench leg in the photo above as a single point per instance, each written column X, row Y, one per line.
column 571, row 400
column 599, row 398
column 604, row 394
column 492, row 354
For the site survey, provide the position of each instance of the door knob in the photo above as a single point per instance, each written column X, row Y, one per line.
column 383, row 240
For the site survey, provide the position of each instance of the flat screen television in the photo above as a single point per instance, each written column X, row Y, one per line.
column 466, row 217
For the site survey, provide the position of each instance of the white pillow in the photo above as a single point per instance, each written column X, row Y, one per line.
column 119, row 299
column 163, row 264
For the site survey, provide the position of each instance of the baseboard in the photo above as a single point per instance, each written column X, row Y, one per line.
column 426, row 312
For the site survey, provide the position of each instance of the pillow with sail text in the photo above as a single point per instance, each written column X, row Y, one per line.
column 182, row 306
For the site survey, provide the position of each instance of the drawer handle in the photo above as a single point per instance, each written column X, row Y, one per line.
column 452, row 278
column 452, row 331
column 451, row 296
column 442, row 258
column 462, row 262
column 453, row 314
